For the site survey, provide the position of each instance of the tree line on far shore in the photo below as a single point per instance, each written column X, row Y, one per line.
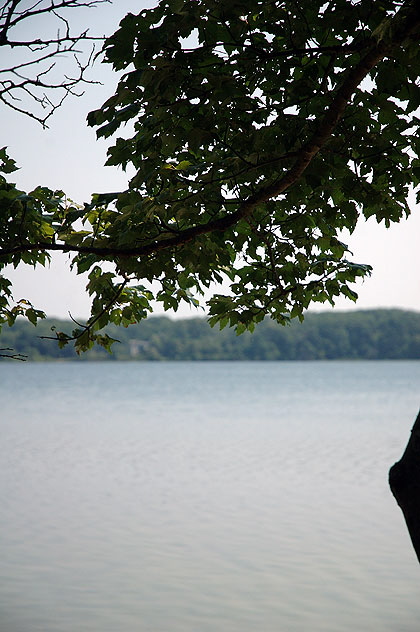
column 355, row 335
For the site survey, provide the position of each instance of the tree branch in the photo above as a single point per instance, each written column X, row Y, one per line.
column 333, row 115
column 12, row 356
column 51, row 7
column 378, row 50
column 18, row 79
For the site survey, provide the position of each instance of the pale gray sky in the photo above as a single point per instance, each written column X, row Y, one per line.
column 67, row 156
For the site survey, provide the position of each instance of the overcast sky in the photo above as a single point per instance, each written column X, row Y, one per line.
column 67, row 156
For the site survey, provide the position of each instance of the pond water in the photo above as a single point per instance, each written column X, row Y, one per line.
column 204, row 497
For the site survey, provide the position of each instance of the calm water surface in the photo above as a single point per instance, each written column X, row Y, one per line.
column 204, row 497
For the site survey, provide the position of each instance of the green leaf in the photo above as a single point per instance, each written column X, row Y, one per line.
column 254, row 133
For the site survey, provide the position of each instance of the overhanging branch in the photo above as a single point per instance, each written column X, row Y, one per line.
column 405, row 24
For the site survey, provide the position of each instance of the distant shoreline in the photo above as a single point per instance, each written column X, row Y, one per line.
column 382, row 334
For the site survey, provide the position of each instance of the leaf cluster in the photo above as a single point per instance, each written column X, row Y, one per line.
column 261, row 130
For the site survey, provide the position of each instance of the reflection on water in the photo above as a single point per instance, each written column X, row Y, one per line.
column 204, row 497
